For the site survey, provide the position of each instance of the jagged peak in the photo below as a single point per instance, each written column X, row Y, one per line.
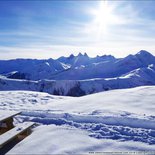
column 71, row 56
column 80, row 54
column 85, row 54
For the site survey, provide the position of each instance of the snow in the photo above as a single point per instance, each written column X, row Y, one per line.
column 113, row 120
column 78, row 75
column 137, row 77
column 20, row 100
column 31, row 68
column 66, row 140
column 116, row 120
column 6, row 114
column 13, row 132
column 109, row 67
column 132, row 100
column 78, row 67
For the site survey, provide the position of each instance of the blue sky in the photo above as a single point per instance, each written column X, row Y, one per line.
column 44, row 29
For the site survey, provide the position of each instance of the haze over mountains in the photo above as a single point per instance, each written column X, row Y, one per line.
column 78, row 75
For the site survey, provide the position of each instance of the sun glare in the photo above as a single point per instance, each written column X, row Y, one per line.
column 103, row 15
column 103, row 18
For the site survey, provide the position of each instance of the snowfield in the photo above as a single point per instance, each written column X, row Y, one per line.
column 116, row 120
column 67, row 140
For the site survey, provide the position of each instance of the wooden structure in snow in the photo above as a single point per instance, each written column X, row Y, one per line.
column 8, row 131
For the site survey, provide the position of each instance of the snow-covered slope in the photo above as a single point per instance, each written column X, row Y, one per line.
column 137, row 77
column 78, row 67
column 78, row 75
column 108, row 68
column 34, row 69
column 31, row 68
column 118, row 120
column 69, row 140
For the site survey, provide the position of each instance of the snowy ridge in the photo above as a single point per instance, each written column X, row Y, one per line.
column 31, row 68
column 78, row 67
column 137, row 77
column 108, row 68
column 78, row 75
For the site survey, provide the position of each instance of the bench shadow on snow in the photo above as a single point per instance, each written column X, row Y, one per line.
column 9, row 146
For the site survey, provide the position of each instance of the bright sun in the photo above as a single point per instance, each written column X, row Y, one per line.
column 103, row 17
column 103, row 14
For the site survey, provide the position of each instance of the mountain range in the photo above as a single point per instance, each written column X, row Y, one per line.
column 78, row 75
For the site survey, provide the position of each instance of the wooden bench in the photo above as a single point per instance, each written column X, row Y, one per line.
column 20, row 131
column 4, row 115
column 9, row 132
column 6, row 120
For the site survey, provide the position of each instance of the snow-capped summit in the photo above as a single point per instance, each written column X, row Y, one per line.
column 71, row 56
column 145, row 57
column 143, row 52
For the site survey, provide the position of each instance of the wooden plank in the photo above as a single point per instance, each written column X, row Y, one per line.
column 4, row 115
column 11, row 134
column 6, row 125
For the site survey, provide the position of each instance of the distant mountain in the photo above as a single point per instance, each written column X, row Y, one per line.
column 78, row 75
column 32, row 69
column 84, row 59
column 138, row 77
column 109, row 67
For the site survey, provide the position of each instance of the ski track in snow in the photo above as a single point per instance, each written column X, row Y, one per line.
column 122, row 126
column 123, row 129
column 109, row 127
